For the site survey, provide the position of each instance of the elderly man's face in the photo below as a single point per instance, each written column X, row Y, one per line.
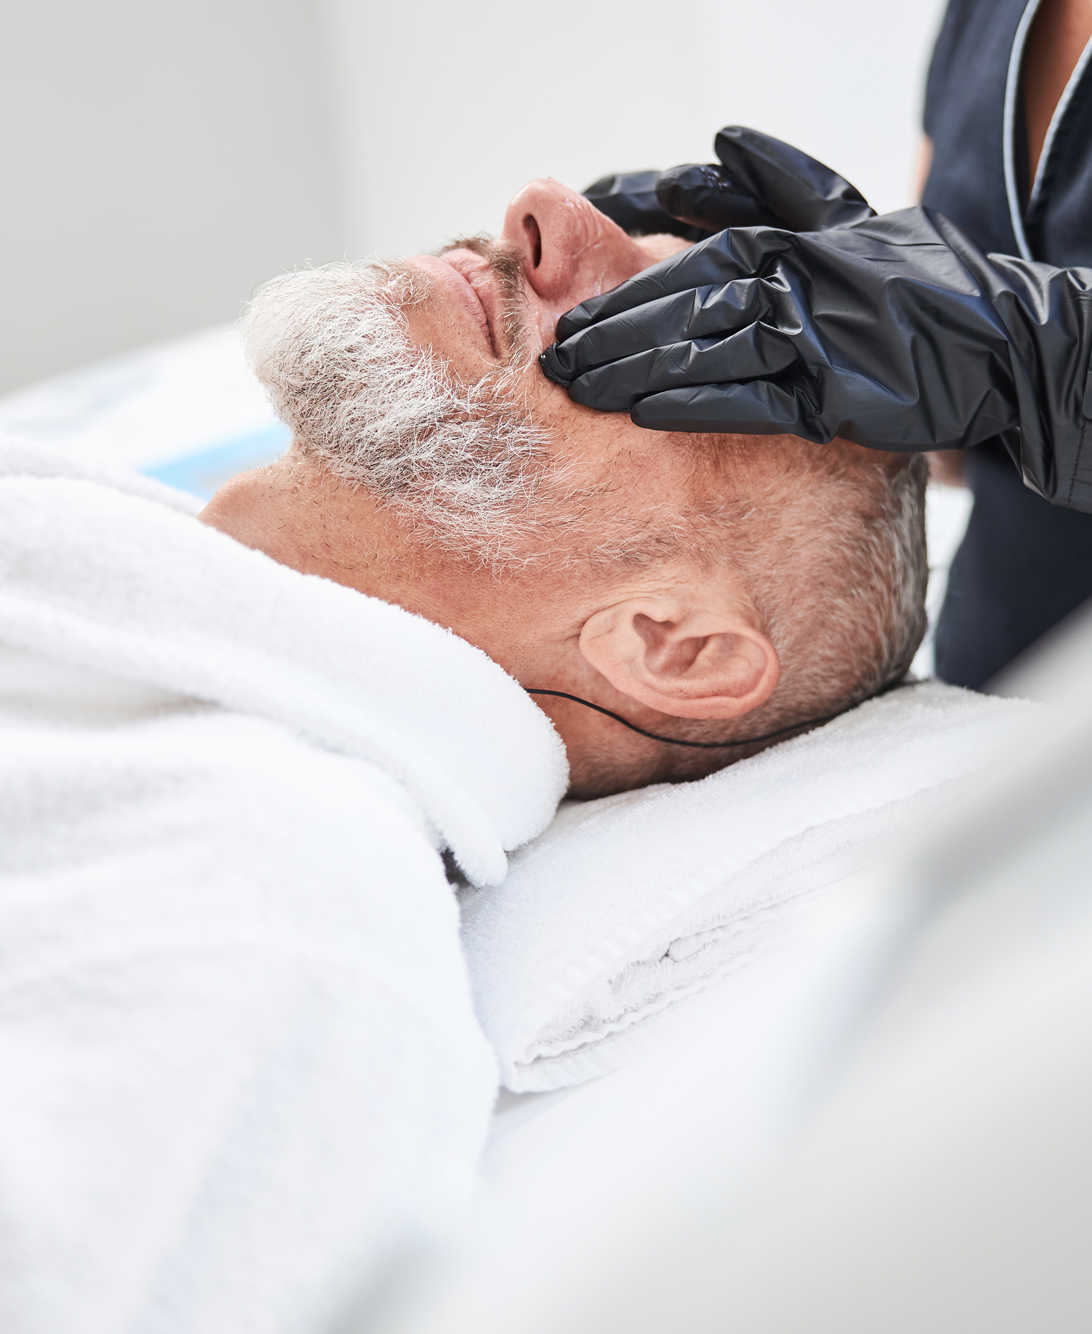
column 496, row 303
column 491, row 306
column 664, row 578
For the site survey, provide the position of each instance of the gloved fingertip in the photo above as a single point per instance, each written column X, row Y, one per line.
column 551, row 367
column 569, row 324
column 649, row 418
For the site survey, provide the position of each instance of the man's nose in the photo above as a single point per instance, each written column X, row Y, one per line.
column 555, row 232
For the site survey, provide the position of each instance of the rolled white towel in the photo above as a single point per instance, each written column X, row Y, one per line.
column 626, row 905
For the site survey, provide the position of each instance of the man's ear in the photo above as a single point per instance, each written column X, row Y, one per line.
column 681, row 657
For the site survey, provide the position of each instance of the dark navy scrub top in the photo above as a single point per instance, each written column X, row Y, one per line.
column 1024, row 563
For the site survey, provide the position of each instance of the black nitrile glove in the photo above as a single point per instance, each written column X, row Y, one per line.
column 895, row 332
column 759, row 182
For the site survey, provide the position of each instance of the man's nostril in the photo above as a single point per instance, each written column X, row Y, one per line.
column 530, row 226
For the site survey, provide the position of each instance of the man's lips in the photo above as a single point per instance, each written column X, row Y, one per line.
column 468, row 278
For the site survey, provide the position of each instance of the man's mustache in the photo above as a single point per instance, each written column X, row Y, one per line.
column 506, row 268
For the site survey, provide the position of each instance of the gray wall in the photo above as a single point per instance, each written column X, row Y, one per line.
column 448, row 105
column 161, row 157
column 157, row 159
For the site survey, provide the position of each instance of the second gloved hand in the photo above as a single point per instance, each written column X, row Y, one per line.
column 759, row 181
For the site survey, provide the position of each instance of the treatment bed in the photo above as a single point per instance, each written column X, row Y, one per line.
column 801, row 1046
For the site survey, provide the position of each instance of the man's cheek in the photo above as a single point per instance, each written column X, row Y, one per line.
column 661, row 246
column 541, row 320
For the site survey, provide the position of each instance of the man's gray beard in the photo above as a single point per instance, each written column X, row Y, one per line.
column 463, row 466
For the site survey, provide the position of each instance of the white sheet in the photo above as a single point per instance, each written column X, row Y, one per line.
column 575, row 1179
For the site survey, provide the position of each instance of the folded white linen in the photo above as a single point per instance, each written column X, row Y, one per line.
column 238, row 1056
column 98, row 572
column 627, row 905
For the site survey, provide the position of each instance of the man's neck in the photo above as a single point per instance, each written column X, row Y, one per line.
column 303, row 517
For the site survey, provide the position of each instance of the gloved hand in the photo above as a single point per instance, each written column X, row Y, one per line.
column 895, row 332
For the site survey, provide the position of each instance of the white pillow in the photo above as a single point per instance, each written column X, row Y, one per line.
column 626, row 905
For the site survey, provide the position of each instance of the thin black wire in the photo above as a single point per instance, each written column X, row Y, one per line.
column 676, row 741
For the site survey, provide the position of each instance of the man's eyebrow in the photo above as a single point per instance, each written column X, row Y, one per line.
column 479, row 244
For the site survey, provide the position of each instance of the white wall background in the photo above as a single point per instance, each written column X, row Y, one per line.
column 157, row 159
column 160, row 157
column 447, row 109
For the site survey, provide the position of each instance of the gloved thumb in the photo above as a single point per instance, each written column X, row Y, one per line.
column 762, row 181
column 806, row 195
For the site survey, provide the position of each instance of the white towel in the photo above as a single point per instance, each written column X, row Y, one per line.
column 238, row 1056
column 629, row 904
column 97, row 571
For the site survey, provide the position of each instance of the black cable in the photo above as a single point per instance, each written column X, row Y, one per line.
column 675, row 741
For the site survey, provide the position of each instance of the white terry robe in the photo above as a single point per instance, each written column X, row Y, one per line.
column 238, row 1059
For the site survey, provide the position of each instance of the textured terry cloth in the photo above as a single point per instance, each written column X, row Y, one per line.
column 239, row 1064
column 628, row 904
